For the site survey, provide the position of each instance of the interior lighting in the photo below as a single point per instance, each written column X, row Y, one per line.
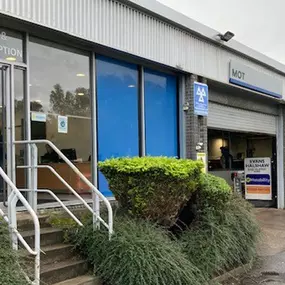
column 80, row 75
column 80, row 93
column 11, row 58
column 131, row 86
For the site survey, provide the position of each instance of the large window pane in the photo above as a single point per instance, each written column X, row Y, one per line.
column 61, row 110
column 161, row 114
column 117, row 100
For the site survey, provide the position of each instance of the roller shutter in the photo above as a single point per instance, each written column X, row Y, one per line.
column 229, row 118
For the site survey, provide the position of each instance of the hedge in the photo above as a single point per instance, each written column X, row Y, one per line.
column 213, row 191
column 152, row 188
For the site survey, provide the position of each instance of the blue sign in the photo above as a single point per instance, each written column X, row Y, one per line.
column 201, row 99
column 258, row 179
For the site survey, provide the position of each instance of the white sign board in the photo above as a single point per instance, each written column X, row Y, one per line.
column 258, row 184
column 250, row 78
column 62, row 122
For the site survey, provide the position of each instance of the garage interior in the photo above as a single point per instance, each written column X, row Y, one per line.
column 241, row 145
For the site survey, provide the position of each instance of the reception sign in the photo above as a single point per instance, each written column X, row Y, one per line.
column 258, row 184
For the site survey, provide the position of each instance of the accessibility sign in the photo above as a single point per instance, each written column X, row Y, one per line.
column 201, row 99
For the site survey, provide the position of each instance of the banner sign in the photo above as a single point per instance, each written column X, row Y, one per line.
column 258, row 184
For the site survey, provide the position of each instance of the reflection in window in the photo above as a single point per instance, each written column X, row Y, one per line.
column 11, row 45
column 59, row 86
column 161, row 114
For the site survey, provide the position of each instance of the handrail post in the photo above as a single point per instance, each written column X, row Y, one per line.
column 34, row 176
column 13, row 223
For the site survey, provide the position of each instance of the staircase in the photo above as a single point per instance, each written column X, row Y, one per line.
column 60, row 265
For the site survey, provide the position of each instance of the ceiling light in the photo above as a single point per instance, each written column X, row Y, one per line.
column 131, row 86
column 11, row 58
column 227, row 36
column 80, row 93
column 80, row 75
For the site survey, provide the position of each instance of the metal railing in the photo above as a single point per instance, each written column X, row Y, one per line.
column 16, row 195
column 96, row 194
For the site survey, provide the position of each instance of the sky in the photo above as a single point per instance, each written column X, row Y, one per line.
column 258, row 24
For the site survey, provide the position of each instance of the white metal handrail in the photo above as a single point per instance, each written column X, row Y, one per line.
column 58, row 200
column 67, row 185
column 37, row 251
column 96, row 194
column 16, row 232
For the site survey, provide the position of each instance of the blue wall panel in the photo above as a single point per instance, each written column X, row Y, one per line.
column 117, row 105
column 161, row 119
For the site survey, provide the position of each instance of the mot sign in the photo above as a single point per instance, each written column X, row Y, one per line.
column 201, row 98
column 258, row 181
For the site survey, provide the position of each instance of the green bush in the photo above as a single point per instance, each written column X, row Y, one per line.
column 10, row 270
column 213, row 191
column 153, row 188
column 223, row 238
column 139, row 253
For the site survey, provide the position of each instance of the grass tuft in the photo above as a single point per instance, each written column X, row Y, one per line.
column 223, row 238
column 139, row 253
column 10, row 270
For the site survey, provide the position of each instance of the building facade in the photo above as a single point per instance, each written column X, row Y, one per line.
column 102, row 78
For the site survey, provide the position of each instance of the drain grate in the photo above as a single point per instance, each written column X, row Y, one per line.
column 270, row 273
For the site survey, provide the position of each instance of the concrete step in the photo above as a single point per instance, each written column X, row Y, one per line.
column 57, row 253
column 62, row 271
column 25, row 222
column 49, row 236
column 82, row 280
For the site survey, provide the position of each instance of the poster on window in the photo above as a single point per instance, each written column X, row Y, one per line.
column 258, row 184
column 62, row 123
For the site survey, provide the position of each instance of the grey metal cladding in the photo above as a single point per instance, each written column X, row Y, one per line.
column 135, row 31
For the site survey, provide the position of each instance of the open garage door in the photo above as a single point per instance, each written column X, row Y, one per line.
column 228, row 118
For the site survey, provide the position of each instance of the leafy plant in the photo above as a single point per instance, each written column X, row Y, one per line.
column 10, row 270
column 153, row 188
column 223, row 238
column 213, row 191
column 139, row 253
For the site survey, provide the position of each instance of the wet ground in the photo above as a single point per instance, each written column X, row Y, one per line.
column 270, row 267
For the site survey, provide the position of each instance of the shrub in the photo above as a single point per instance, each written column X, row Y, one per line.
column 152, row 188
column 213, row 191
column 10, row 270
column 139, row 253
column 223, row 238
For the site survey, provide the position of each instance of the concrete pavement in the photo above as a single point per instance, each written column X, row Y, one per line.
column 270, row 268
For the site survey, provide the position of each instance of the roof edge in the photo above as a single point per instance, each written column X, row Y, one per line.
column 180, row 20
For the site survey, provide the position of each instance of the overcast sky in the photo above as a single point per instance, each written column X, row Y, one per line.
column 258, row 24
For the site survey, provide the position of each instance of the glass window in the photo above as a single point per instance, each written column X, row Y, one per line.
column 61, row 110
column 11, row 45
column 161, row 114
column 117, row 100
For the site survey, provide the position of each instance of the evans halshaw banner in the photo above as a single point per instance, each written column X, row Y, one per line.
column 258, row 184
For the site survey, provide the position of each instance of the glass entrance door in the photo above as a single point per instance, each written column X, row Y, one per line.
column 12, row 122
column 4, row 86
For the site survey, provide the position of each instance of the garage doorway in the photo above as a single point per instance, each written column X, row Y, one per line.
column 227, row 151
